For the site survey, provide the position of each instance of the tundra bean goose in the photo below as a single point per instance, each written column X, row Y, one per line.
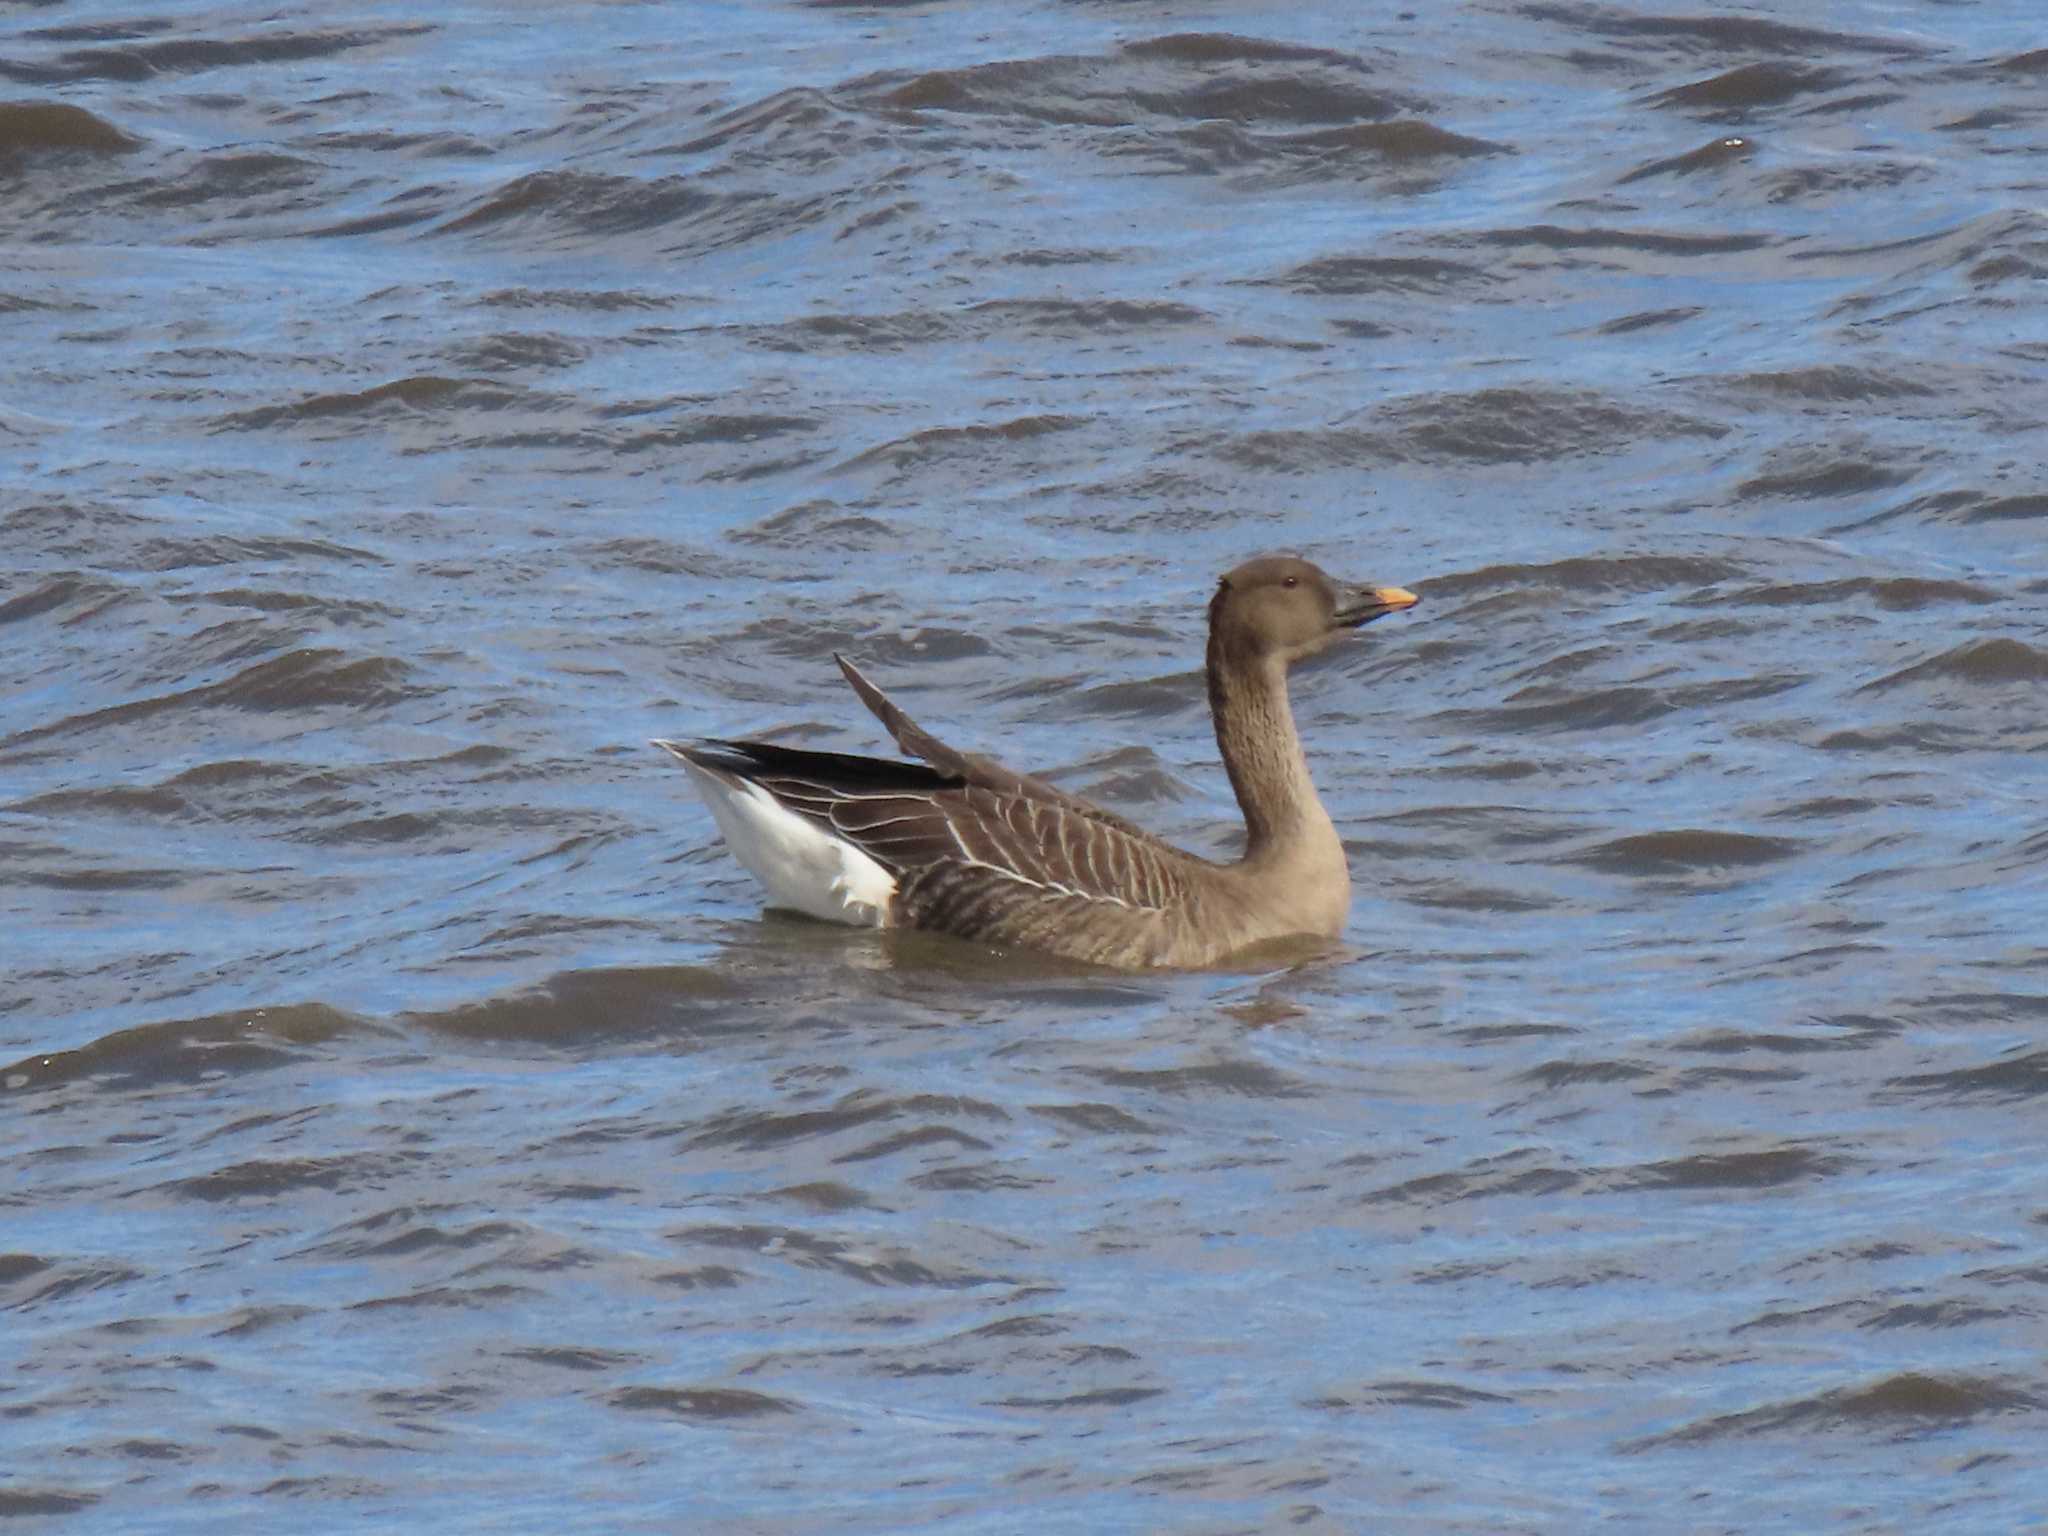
column 962, row 845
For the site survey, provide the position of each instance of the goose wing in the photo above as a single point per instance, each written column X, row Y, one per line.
column 969, row 857
column 968, row 767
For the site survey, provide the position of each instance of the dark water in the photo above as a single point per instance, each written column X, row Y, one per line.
column 408, row 1117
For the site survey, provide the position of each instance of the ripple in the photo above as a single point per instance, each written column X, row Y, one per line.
column 1412, row 1394
column 1183, row 77
column 1594, row 709
column 1228, row 1076
column 1342, row 276
column 573, row 1358
column 240, row 179
column 1807, row 475
column 1764, row 1168
column 56, row 1280
column 1404, row 139
column 47, row 127
column 405, row 1232
column 700, row 1404
column 1521, row 1174
column 427, row 393
column 1714, row 155
column 1977, row 663
column 934, row 442
column 1766, row 83
column 141, row 62
column 1683, row 851
column 1526, row 426
column 1910, row 1399
column 263, row 1178
column 2001, row 509
column 1632, row 573
column 2023, row 1075
column 1747, row 34
column 1834, row 382
column 1072, row 317
column 850, row 1259
column 26, row 1502
column 1554, row 237
column 58, row 593
column 1649, row 319
column 186, row 1050
column 584, row 1006
column 1096, row 1119
column 590, row 203
column 1897, row 594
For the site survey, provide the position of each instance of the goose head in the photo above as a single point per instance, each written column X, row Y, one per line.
column 1284, row 608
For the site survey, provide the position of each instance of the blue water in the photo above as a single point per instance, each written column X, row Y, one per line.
column 407, row 1113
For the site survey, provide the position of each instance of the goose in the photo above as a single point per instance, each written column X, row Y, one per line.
column 959, row 844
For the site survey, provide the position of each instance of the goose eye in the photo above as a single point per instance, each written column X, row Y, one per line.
column 1290, row 581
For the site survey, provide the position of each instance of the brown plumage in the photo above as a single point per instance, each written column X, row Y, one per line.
column 962, row 845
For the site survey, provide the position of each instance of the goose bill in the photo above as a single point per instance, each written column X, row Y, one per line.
column 1364, row 604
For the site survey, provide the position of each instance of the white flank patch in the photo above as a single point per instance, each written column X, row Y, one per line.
column 802, row 866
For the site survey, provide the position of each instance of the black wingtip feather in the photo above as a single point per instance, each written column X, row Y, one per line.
column 766, row 759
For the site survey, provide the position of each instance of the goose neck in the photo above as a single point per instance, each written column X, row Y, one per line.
column 1255, row 732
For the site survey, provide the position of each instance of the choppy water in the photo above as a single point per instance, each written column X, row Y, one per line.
column 408, row 1114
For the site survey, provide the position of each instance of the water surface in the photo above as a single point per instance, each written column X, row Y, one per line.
column 407, row 1113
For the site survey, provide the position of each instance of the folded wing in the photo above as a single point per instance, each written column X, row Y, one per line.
column 969, row 855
